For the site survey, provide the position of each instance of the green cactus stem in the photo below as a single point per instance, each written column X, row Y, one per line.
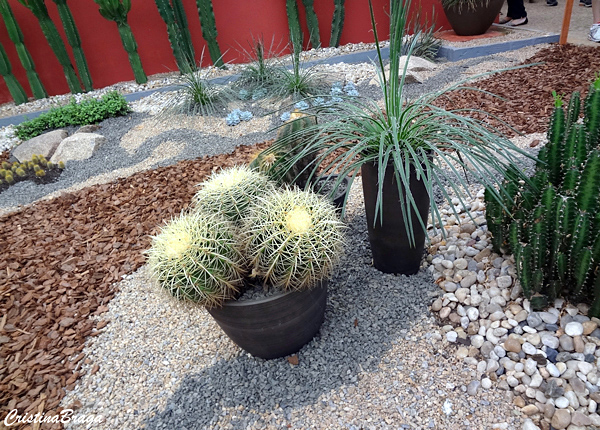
column 294, row 24
column 38, row 8
column 573, row 109
column 209, row 30
column 16, row 90
column 117, row 11
column 186, row 37
column 337, row 23
column 176, row 31
column 588, row 190
column 75, row 41
column 312, row 22
column 592, row 114
column 16, row 35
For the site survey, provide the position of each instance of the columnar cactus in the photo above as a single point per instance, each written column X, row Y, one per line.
column 117, row 11
column 337, row 24
column 294, row 24
column 292, row 238
column 196, row 257
column 38, row 8
column 16, row 35
column 291, row 141
column 230, row 192
column 173, row 15
column 552, row 225
column 16, row 90
column 313, row 23
column 75, row 41
column 209, row 30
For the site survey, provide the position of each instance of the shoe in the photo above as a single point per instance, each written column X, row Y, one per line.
column 551, row 2
column 586, row 3
column 520, row 21
column 594, row 35
column 504, row 20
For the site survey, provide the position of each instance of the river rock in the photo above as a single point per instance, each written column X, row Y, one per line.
column 79, row 146
column 44, row 144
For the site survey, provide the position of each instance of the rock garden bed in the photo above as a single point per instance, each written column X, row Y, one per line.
column 74, row 333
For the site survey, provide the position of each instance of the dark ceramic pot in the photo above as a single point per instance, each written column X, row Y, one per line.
column 390, row 245
column 341, row 192
column 274, row 326
column 467, row 21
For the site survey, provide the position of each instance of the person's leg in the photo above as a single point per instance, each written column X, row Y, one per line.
column 516, row 9
column 594, row 35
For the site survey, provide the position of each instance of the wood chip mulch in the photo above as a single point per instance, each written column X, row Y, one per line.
column 61, row 257
column 527, row 92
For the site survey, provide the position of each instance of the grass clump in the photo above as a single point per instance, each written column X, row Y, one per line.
column 86, row 112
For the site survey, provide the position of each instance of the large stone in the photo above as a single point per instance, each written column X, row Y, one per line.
column 44, row 144
column 561, row 419
column 79, row 146
column 414, row 70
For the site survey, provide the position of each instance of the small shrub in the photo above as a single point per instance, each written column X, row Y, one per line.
column 87, row 112
column 552, row 224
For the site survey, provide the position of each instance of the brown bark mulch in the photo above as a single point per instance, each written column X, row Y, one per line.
column 59, row 261
column 61, row 257
column 526, row 93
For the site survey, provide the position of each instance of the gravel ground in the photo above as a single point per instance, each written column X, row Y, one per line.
column 379, row 362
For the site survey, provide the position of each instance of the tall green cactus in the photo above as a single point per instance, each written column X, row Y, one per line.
column 294, row 24
column 337, row 23
column 312, row 22
column 117, row 11
column 172, row 14
column 16, row 90
column 553, row 225
column 209, row 30
column 16, row 35
column 75, row 41
column 293, row 134
column 38, row 8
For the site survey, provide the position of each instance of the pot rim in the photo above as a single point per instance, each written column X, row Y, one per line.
column 278, row 295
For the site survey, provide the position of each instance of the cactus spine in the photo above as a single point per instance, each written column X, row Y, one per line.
column 337, row 24
column 117, row 11
column 313, row 23
column 75, row 41
column 16, row 90
column 38, row 8
column 294, row 24
column 209, row 30
column 554, row 226
column 174, row 17
column 15, row 34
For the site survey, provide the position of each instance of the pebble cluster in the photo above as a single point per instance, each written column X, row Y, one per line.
column 549, row 359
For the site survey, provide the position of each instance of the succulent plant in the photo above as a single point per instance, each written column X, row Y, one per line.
column 293, row 238
column 552, row 225
column 290, row 142
column 196, row 257
column 40, row 173
column 230, row 191
column 61, row 165
column 5, row 165
column 20, row 173
column 9, row 178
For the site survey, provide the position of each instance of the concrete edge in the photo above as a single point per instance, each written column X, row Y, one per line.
column 452, row 53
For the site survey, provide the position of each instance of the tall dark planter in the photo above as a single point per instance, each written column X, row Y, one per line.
column 275, row 326
column 390, row 245
column 472, row 22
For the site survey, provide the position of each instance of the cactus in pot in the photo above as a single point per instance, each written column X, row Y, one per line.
column 196, row 257
column 229, row 192
column 293, row 238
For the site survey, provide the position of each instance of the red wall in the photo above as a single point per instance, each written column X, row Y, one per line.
column 237, row 21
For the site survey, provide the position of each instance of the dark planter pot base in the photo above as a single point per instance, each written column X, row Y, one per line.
column 274, row 326
column 473, row 22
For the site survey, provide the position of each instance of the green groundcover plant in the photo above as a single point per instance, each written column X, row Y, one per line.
column 86, row 112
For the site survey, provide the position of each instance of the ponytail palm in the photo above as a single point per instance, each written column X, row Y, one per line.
column 438, row 144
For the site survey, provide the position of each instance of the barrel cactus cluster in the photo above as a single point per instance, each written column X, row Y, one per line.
column 552, row 224
column 37, row 167
column 241, row 229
